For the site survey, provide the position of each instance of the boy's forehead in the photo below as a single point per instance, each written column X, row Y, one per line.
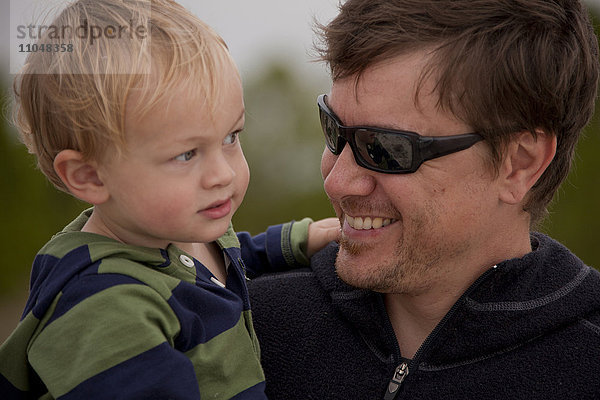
column 183, row 103
column 156, row 96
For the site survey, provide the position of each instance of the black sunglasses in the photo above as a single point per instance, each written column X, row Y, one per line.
column 387, row 150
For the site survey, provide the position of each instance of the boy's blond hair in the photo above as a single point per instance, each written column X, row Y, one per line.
column 77, row 99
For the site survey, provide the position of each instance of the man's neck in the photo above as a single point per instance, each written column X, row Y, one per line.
column 415, row 315
column 413, row 318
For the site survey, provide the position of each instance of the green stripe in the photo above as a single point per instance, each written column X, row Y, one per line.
column 103, row 330
column 163, row 280
column 229, row 239
column 101, row 248
column 229, row 363
column 13, row 353
column 299, row 241
column 286, row 245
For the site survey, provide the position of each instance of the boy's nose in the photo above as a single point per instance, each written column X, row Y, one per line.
column 218, row 172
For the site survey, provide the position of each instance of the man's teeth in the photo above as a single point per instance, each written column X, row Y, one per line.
column 368, row 222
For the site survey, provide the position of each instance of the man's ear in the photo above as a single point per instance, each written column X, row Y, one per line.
column 80, row 177
column 525, row 160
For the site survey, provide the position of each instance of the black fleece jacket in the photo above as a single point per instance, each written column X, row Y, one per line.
column 526, row 329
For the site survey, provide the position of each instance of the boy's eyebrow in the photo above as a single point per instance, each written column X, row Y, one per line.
column 240, row 117
column 237, row 121
column 191, row 139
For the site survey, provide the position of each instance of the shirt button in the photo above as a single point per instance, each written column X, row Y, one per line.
column 217, row 282
column 185, row 260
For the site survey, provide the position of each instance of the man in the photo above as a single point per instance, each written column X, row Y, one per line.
column 449, row 127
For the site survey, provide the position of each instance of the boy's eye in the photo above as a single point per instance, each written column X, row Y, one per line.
column 231, row 138
column 187, row 156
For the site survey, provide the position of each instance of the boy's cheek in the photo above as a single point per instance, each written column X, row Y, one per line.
column 244, row 176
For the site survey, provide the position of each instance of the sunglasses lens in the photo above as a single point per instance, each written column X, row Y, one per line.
column 384, row 151
column 330, row 129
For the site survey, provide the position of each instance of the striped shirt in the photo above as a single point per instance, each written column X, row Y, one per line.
column 109, row 320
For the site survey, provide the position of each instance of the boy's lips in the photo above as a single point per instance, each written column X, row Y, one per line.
column 217, row 210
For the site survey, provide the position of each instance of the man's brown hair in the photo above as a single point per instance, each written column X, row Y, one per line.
column 501, row 66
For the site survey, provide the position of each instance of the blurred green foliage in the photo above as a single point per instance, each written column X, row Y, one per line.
column 31, row 210
column 574, row 218
column 283, row 144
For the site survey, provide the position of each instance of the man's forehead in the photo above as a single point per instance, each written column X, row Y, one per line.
column 408, row 75
column 388, row 88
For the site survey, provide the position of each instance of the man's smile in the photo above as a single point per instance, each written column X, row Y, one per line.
column 363, row 222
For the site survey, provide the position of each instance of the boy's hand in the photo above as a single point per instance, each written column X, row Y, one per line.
column 320, row 233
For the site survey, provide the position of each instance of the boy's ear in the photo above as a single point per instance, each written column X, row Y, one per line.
column 80, row 177
column 526, row 159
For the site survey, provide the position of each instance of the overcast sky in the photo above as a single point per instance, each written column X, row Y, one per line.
column 255, row 30
column 258, row 30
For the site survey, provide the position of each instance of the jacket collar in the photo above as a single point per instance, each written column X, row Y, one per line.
column 512, row 304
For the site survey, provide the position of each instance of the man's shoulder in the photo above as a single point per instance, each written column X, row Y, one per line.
column 591, row 323
column 291, row 298
column 554, row 252
column 286, row 285
column 310, row 326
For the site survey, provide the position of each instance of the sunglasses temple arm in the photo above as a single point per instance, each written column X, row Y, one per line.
column 431, row 148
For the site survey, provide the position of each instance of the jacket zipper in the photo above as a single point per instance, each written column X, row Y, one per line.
column 402, row 370
column 399, row 375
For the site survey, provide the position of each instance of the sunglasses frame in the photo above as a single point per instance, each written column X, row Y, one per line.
column 424, row 148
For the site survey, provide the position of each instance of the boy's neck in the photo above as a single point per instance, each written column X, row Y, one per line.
column 209, row 254
column 95, row 224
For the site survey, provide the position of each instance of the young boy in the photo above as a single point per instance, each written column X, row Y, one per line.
column 144, row 295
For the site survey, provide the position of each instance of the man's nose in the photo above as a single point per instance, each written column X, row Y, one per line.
column 345, row 177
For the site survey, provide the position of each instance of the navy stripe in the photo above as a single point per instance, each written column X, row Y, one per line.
column 203, row 274
column 159, row 373
column 9, row 392
column 86, row 286
column 253, row 251
column 263, row 252
column 56, row 275
column 42, row 266
column 256, row 392
column 236, row 281
column 165, row 255
column 204, row 312
column 277, row 239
